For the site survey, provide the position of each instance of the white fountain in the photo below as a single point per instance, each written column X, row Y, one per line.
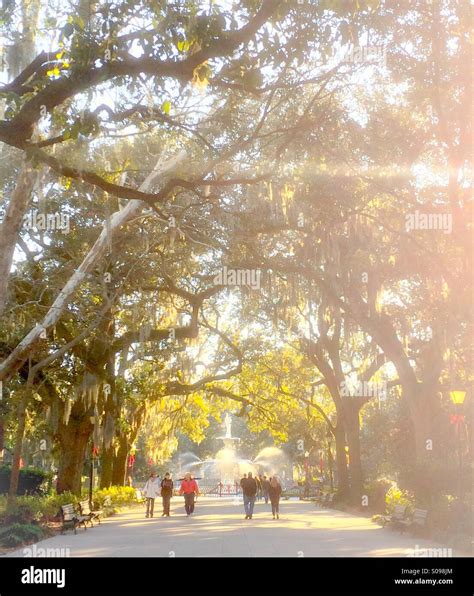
column 227, row 468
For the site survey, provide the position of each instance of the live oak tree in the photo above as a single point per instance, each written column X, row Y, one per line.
column 346, row 227
column 91, row 51
column 182, row 139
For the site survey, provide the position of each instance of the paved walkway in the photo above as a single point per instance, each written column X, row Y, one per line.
column 218, row 529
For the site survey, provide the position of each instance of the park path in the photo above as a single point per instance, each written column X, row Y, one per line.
column 217, row 529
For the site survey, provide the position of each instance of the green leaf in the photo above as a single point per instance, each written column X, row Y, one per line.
column 166, row 106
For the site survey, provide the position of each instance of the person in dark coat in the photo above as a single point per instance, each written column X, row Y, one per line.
column 274, row 492
column 249, row 490
column 166, row 494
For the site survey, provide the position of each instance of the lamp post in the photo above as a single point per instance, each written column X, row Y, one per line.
column 457, row 397
column 306, row 475
column 331, row 480
column 91, row 470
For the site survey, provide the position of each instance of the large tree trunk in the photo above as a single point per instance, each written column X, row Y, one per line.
column 120, row 463
column 12, row 223
column 106, row 470
column 73, row 439
column 110, row 409
column 15, row 211
column 2, row 439
column 352, row 424
column 341, row 462
column 421, row 417
column 19, row 435
column 20, row 53
column 427, row 417
column 428, row 420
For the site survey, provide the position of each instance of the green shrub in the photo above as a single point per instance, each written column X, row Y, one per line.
column 119, row 495
column 377, row 490
column 23, row 510
column 430, row 481
column 31, row 481
column 42, row 509
column 396, row 496
column 18, row 534
column 26, row 509
column 51, row 505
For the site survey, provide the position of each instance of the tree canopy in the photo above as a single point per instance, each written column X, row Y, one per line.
column 258, row 206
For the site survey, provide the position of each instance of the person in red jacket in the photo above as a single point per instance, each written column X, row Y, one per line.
column 190, row 490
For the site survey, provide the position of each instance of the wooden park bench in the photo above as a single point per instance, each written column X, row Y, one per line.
column 329, row 500
column 86, row 511
column 293, row 491
column 326, row 500
column 416, row 522
column 397, row 518
column 71, row 518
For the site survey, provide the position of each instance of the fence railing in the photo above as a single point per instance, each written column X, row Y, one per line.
column 219, row 489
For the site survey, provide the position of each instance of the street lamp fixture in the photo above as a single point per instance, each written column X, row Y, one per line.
column 457, row 397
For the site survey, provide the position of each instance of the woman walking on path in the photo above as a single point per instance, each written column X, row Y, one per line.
column 190, row 490
column 151, row 490
column 274, row 492
column 166, row 493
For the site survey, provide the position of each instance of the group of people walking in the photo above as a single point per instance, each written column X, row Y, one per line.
column 154, row 488
column 253, row 488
